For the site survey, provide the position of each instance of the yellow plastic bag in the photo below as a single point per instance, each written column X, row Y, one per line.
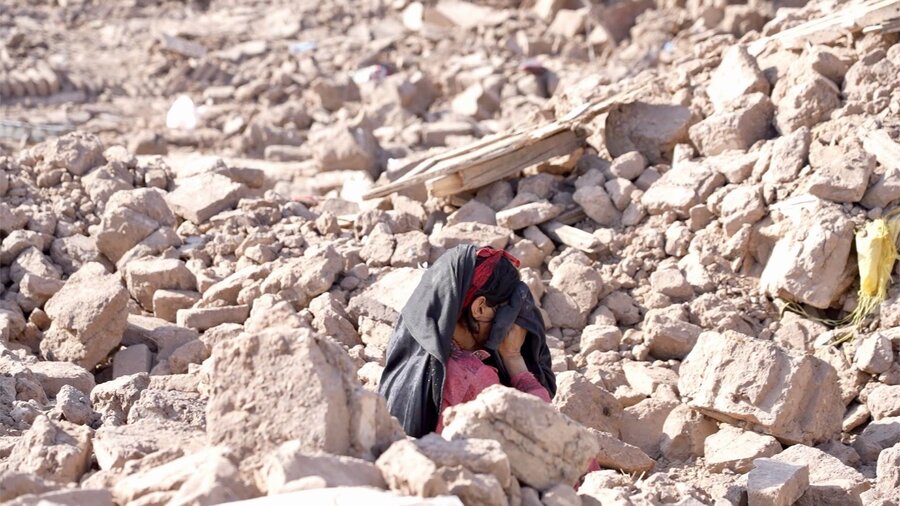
column 876, row 251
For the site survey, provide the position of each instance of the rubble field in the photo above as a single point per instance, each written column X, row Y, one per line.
column 212, row 212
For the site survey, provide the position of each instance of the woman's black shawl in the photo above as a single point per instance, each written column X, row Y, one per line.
column 413, row 377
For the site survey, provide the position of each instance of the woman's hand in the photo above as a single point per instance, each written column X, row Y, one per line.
column 512, row 343
column 511, row 350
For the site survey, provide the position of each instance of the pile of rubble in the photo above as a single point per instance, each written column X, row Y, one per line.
column 178, row 329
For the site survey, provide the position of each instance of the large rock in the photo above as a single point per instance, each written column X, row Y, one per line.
column 115, row 447
column 303, row 387
column 299, row 280
column 808, row 261
column 736, row 449
column 884, row 401
column 831, row 482
column 54, row 375
column 200, row 197
column 670, row 333
column 289, row 463
column 774, row 483
column 157, row 334
column 75, row 152
column 888, row 471
column 144, row 277
column 59, row 451
column 572, row 294
column 407, row 467
column 586, row 403
column 877, row 436
column 88, row 317
column 134, row 217
column 806, row 103
column 737, row 75
column 738, row 126
column 114, row 399
column 732, row 378
column 209, row 476
column 684, row 433
column 651, row 129
column 544, row 446
column 841, row 172
column 681, row 188
column 345, row 147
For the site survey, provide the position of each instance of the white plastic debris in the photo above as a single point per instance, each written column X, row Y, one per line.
column 183, row 114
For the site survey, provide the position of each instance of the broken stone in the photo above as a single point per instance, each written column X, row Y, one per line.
column 54, row 375
column 572, row 294
column 888, row 470
column 803, row 273
column 132, row 217
column 475, row 211
column 874, row 354
column 332, row 320
column 774, row 483
column 144, row 277
column 586, row 403
column 289, row 462
column 806, row 103
column 114, row 399
column 670, row 338
column 681, row 188
column 597, row 205
column 166, row 303
column 58, row 451
column 205, row 477
column 841, row 172
column 73, row 405
column 684, row 433
column 651, row 129
column 129, row 446
column 628, row 165
column 738, row 126
column 88, row 317
column 735, row 449
column 789, row 155
column 795, row 398
column 470, row 233
column 877, row 436
column 338, row 416
column 742, row 206
column 199, row 198
column 736, row 76
column 544, row 446
column 884, row 401
column 207, row 318
column 830, row 481
column 646, row 378
column 476, row 101
column 526, row 215
column 157, row 334
column 600, row 338
column 642, row 424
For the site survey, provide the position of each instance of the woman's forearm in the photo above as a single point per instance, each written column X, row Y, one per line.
column 514, row 363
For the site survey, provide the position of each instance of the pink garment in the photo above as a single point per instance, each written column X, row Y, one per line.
column 467, row 376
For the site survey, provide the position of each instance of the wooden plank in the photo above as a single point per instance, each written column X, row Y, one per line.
column 510, row 164
column 853, row 17
column 573, row 237
column 487, row 149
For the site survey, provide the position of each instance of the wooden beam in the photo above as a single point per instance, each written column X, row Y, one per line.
column 509, row 164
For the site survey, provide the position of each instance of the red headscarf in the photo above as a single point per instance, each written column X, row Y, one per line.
column 484, row 270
